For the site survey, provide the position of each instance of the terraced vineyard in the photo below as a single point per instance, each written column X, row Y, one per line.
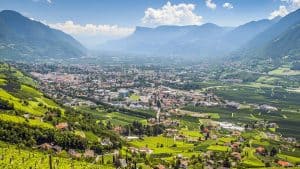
column 29, row 118
column 12, row 157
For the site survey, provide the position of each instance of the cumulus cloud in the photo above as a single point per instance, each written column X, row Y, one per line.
column 180, row 14
column 281, row 11
column 210, row 4
column 293, row 4
column 91, row 30
column 286, row 8
column 228, row 5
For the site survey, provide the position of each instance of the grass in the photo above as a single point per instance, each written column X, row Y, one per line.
column 116, row 118
column 251, row 160
column 190, row 133
column 226, row 139
column 134, row 97
column 31, row 91
column 2, row 82
column 21, row 120
column 16, row 158
column 291, row 159
column 91, row 136
column 284, row 71
column 153, row 142
column 33, row 103
column 219, row 148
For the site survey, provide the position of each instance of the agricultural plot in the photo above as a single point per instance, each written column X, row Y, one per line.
column 250, row 160
column 291, row 159
column 115, row 118
column 219, row 148
column 32, row 106
column 284, row 71
column 21, row 120
column 13, row 157
column 162, row 145
column 134, row 97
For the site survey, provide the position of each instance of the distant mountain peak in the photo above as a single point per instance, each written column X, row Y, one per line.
column 34, row 40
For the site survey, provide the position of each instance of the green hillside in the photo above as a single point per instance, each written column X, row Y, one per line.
column 28, row 118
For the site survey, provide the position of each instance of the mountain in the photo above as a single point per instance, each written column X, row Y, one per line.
column 207, row 40
column 23, row 38
column 243, row 33
column 280, row 39
column 171, row 40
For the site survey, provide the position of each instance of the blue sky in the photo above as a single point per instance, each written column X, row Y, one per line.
column 109, row 19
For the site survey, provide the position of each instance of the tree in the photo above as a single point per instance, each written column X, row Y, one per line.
column 273, row 152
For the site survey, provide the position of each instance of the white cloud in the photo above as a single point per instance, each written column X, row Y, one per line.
column 210, row 4
column 48, row 1
column 293, row 4
column 281, row 11
column 180, row 14
column 228, row 5
column 91, row 30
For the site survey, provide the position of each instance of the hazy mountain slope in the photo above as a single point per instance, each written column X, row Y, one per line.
column 243, row 33
column 280, row 33
column 207, row 40
column 21, row 37
column 170, row 40
column 287, row 44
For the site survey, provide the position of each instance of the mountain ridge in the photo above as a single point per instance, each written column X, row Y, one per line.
column 21, row 37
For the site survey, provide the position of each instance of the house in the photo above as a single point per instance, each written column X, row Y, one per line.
column 74, row 154
column 89, row 154
column 106, row 142
column 284, row 163
column 118, row 129
column 267, row 107
column 235, row 133
column 62, row 126
column 160, row 167
column 123, row 93
column 171, row 132
column 235, row 145
column 179, row 137
column 145, row 150
column 45, row 146
column 236, row 155
column 184, row 163
column 260, row 150
column 121, row 163
column 232, row 104
column 192, row 140
column 57, row 148
column 133, row 150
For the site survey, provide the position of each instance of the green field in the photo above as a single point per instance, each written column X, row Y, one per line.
column 284, row 71
column 21, row 120
column 116, row 118
column 134, row 97
column 15, row 158
column 250, row 160
column 291, row 159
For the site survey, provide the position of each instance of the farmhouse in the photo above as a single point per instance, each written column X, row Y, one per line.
column 62, row 126
column 284, row 163
column 89, row 154
column 73, row 153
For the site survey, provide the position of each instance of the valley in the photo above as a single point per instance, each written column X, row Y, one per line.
column 163, row 114
column 171, row 91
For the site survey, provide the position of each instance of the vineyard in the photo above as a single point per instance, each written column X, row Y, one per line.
column 11, row 157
